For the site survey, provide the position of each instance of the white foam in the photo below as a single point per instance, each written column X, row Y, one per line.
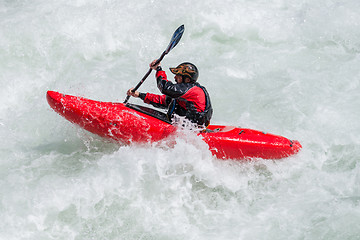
column 284, row 67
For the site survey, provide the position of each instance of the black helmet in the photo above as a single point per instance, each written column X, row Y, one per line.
column 186, row 69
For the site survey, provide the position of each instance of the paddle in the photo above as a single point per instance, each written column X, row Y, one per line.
column 173, row 42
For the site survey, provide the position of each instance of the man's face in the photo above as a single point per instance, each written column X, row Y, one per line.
column 178, row 79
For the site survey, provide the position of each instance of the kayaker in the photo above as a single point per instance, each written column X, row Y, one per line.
column 185, row 98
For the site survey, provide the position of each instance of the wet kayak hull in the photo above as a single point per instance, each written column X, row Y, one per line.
column 129, row 124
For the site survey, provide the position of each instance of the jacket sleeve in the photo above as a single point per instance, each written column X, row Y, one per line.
column 166, row 87
column 160, row 101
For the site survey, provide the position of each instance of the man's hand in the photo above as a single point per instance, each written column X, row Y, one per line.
column 131, row 93
column 153, row 66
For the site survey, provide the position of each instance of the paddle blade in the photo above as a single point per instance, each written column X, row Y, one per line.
column 175, row 38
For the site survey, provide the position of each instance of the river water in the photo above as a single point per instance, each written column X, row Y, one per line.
column 290, row 68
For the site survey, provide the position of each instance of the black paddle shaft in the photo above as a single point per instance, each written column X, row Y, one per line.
column 173, row 42
column 144, row 78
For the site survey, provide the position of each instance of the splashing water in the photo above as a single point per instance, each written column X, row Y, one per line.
column 286, row 67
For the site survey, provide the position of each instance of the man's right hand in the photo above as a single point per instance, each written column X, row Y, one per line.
column 153, row 66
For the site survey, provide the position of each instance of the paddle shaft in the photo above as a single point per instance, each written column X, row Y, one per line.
column 173, row 42
column 146, row 75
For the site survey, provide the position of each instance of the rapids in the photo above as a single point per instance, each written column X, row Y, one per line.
column 290, row 68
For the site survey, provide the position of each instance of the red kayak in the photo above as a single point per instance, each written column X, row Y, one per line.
column 130, row 123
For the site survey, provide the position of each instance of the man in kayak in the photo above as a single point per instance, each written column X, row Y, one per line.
column 185, row 98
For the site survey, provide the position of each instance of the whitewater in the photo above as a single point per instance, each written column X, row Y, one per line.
column 290, row 68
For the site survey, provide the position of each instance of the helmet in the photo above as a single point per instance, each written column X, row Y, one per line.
column 186, row 69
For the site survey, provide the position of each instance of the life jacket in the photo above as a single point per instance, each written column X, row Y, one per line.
column 183, row 99
column 190, row 112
